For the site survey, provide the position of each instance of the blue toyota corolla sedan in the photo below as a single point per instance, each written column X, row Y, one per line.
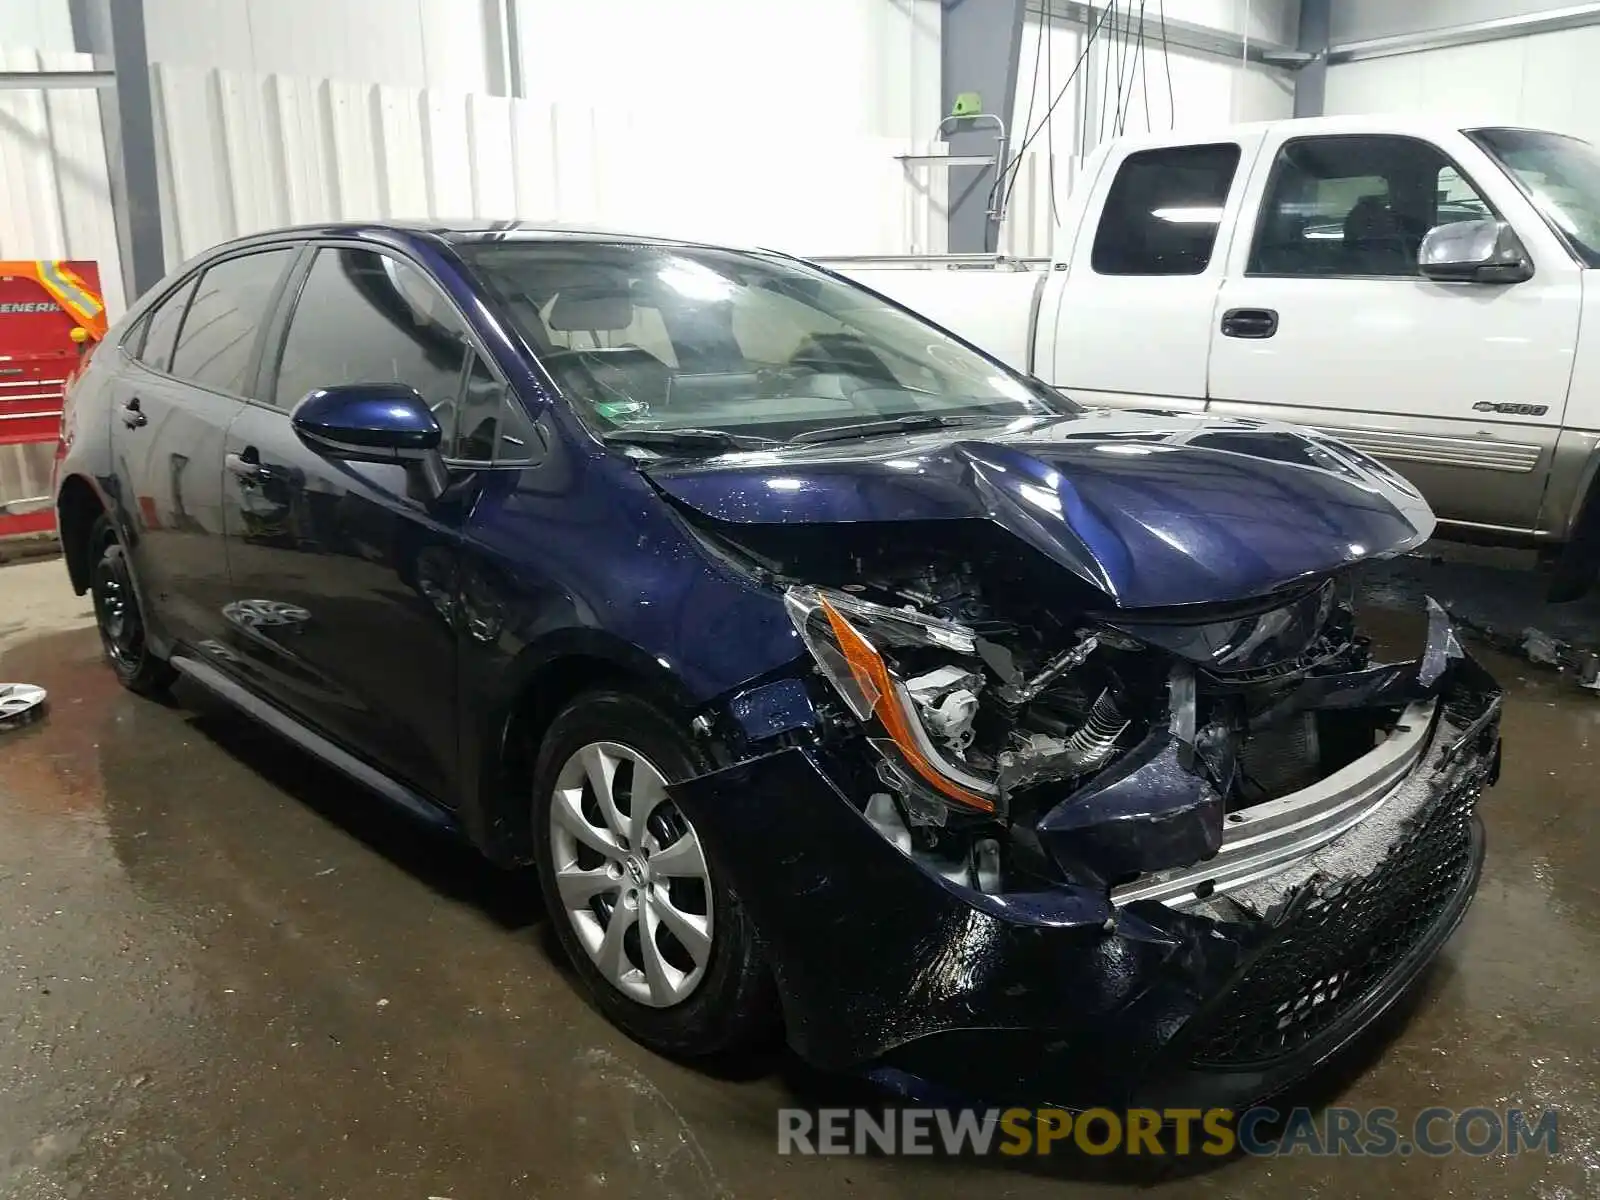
column 835, row 677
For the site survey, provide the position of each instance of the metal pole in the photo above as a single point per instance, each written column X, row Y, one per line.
column 113, row 31
column 980, row 48
column 1311, row 81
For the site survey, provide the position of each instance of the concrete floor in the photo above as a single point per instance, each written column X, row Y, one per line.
column 226, row 973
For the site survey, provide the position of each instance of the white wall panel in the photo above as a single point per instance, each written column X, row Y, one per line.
column 1159, row 90
column 39, row 24
column 1355, row 20
column 55, row 200
column 419, row 43
column 868, row 67
column 1546, row 80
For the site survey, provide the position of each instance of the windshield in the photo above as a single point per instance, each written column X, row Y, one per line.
column 647, row 337
column 1561, row 175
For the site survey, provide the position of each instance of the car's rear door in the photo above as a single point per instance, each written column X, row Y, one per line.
column 343, row 574
column 189, row 369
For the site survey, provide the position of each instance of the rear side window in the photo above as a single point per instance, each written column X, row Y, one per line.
column 1164, row 210
column 161, row 328
column 231, row 303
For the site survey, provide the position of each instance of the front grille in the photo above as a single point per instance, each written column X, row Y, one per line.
column 1336, row 942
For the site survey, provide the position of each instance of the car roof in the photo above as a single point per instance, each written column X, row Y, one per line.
column 472, row 230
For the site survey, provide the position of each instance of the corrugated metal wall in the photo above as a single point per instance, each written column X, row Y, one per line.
column 241, row 152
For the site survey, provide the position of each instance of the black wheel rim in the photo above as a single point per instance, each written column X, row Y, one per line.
column 116, row 609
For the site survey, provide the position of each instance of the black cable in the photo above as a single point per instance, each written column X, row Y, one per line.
column 1121, row 43
column 1000, row 166
column 1105, row 83
column 1044, row 121
column 1050, row 141
column 1144, row 68
column 1033, row 90
column 1166, row 58
column 1132, row 59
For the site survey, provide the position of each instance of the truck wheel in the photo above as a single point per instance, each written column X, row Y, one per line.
column 120, row 616
column 663, row 948
column 1580, row 558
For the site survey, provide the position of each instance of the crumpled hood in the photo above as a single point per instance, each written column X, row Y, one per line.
column 1154, row 509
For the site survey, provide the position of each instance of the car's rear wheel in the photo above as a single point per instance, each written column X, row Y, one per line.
column 664, row 948
column 120, row 616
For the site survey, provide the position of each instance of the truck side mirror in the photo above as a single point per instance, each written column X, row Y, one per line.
column 1483, row 251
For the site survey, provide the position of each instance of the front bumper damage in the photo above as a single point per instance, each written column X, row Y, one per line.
column 1219, row 983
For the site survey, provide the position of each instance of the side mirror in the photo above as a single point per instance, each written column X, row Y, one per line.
column 373, row 422
column 1484, row 251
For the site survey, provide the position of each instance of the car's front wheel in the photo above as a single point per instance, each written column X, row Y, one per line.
column 120, row 618
column 664, row 948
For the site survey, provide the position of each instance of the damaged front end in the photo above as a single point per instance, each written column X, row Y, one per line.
column 1116, row 856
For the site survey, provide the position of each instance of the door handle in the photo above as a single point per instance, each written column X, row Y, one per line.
column 1249, row 322
column 247, row 464
column 132, row 414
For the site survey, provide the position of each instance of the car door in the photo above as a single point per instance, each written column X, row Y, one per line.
column 1133, row 326
column 189, row 368
column 343, row 575
column 1325, row 320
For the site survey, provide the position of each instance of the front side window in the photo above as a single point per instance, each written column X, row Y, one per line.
column 217, row 340
column 1357, row 205
column 1561, row 175
column 675, row 337
column 1164, row 210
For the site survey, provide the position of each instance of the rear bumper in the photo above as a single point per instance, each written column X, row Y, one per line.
column 1075, row 997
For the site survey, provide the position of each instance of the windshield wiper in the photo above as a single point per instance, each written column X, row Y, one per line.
column 696, row 441
column 907, row 424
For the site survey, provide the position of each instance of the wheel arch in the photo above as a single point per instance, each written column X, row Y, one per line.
column 78, row 507
column 542, row 680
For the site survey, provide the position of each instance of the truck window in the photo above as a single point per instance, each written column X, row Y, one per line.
column 1163, row 211
column 1357, row 205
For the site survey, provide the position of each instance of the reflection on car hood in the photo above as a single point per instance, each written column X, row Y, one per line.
column 1154, row 509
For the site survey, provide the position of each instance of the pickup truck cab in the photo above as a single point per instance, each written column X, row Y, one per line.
column 1424, row 290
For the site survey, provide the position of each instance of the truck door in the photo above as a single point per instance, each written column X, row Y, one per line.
column 1133, row 321
column 1324, row 320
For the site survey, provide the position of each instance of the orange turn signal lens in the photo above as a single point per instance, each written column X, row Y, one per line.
column 871, row 675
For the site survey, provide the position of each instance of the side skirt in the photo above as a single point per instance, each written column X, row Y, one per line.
column 313, row 743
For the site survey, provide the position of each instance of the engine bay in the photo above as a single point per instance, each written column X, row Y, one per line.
column 1011, row 729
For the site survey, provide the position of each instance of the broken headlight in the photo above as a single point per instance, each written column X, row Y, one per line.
column 924, row 715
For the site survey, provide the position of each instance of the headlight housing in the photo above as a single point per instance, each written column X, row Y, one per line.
column 849, row 638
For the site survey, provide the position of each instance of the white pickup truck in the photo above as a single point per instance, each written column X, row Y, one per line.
column 1426, row 291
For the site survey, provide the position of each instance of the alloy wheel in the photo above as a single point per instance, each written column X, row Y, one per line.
column 631, row 875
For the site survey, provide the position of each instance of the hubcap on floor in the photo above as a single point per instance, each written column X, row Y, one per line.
column 116, row 610
column 631, row 874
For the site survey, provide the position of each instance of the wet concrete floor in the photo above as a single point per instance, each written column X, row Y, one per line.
column 226, row 973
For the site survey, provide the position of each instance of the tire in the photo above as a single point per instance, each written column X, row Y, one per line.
column 119, row 614
column 691, row 998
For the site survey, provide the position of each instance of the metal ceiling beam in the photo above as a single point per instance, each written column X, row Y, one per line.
column 19, row 80
column 1180, row 34
column 1574, row 16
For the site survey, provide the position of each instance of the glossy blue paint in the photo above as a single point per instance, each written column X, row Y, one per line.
column 432, row 619
column 773, row 708
column 1153, row 509
column 368, row 416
